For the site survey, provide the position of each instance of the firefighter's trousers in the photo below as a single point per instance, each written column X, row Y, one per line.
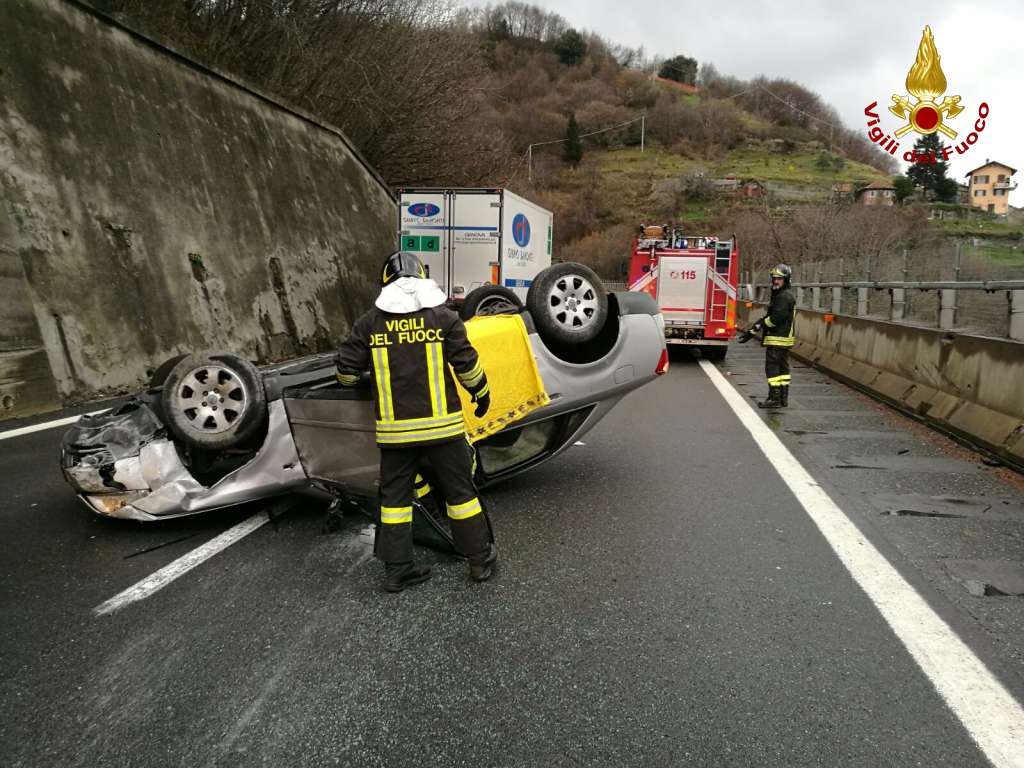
column 776, row 366
column 452, row 465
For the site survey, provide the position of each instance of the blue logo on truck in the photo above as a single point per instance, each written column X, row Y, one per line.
column 521, row 230
column 425, row 210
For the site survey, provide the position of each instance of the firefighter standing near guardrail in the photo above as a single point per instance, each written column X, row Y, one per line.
column 409, row 340
column 779, row 328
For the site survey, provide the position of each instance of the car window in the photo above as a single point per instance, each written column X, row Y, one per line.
column 514, row 446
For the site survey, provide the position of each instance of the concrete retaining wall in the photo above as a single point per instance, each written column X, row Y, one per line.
column 150, row 206
column 969, row 386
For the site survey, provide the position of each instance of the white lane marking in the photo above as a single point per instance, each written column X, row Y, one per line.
column 182, row 565
column 46, row 425
column 992, row 717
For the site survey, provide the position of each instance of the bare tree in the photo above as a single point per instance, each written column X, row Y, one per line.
column 403, row 78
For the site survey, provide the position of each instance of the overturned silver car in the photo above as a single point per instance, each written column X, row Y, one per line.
column 214, row 431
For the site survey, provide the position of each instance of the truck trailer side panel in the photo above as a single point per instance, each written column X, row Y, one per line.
column 526, row 242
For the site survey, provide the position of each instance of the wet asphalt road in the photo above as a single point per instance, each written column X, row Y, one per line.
column 661, row 599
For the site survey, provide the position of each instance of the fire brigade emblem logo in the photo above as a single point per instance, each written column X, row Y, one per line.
column 923, row 112
column 926, row 83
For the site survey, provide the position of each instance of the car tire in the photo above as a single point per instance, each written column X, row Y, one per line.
column 490, row 300
column 163, row 371
column 568, row 303
column 714, row 354
column 213, row 401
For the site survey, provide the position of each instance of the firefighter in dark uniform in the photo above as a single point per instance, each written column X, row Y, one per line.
column 779, row 328
column 409, row 340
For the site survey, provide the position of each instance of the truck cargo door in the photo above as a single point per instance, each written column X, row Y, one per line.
column 475, row 238
column 682, row 289
column 424, row 230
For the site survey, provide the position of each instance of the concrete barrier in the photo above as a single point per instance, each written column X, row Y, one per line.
column 150, row 206
column 971, row 387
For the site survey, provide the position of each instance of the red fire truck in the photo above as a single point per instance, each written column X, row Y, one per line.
column 694, row 280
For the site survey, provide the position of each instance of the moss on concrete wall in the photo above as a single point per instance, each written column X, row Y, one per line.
column 150, row 206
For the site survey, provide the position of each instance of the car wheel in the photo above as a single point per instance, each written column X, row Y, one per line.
column 163, row 371
column 714, row 354
column 490, row 300
column 568, row 303
column 213, row 401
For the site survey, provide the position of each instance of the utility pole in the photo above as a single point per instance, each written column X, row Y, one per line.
column 643, row 119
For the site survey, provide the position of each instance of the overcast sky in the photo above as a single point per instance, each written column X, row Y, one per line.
column 850, row 54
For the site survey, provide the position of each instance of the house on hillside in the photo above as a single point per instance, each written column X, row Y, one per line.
column 752, row 188
column 989, row 187
column 877, row 193
column 843, row 192
column 726, row 186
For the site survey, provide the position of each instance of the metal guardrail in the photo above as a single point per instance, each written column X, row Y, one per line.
column 977, row 285
column 948, row 290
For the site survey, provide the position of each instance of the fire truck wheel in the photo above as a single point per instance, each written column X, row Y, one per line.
column 714, row 354
column 568, row 303
column 490, row 300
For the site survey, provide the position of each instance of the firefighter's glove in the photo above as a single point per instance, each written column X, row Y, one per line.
column 346, row 378
column 483, row 403
column 745, row 337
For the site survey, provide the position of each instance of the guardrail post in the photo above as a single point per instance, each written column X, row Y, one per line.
column 837, row 301
column 862, row 302
column 947, row 308
column 899, row 304
column 799, row 297
column 1016, row 315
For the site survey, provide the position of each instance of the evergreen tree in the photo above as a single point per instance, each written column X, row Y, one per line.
column 571, row 48
column 573, row 151
column 680, row 68
column 929, row 172
column 904, row 188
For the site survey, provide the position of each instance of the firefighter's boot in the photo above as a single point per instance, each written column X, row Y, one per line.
column 784, row 396
column 473, row 539
column 774, row 398
column 398, row 576
column 393, row 545
column 481, row 567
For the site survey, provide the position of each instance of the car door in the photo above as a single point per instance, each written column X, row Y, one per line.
column 334, row 432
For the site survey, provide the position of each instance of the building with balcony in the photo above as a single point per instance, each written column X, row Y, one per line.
column 989, row 187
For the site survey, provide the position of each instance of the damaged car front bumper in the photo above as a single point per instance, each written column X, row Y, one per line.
column 122, row 464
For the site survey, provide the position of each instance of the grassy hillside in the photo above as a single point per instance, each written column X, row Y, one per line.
column 599, row 204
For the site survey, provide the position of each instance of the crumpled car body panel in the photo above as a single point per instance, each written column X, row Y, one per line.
column 172, row 491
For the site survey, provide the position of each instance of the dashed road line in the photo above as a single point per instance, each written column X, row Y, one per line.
column 46, row 425
column 992, row 716
column 182, row 565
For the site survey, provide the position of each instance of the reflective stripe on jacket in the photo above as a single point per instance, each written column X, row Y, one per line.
column 409, row 356
column 780, row 322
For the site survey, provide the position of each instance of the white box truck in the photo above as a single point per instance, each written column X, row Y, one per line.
column 467, row 238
